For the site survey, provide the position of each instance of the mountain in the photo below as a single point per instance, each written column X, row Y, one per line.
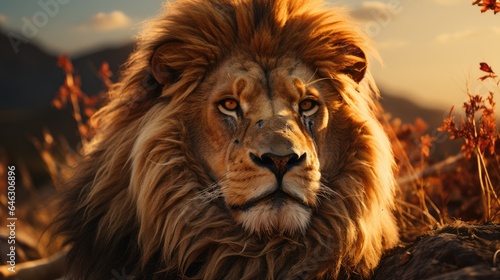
column 32, row 78
column 408, row 111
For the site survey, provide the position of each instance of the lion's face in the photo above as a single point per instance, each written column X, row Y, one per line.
column 258, row 142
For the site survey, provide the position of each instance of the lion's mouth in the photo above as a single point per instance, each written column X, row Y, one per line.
column 277, row 199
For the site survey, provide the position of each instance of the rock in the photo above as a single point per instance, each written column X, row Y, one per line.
column 457, row 251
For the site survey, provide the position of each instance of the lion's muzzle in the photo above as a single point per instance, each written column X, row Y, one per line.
column 278, row 164
column 282, row 162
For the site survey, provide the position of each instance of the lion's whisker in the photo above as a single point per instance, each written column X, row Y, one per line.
column 312, row 76
column 212, row 192
column 317, row 80
column 328, row 193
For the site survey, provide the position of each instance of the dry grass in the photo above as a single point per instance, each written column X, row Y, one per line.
column 437, row 193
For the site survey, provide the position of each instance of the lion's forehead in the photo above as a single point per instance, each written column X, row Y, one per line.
column 256, row 86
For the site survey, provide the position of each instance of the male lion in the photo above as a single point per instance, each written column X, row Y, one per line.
column 240, row 143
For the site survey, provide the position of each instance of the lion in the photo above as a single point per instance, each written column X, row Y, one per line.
column 241, row 142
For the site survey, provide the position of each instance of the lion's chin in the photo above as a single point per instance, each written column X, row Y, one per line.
column 275, row 218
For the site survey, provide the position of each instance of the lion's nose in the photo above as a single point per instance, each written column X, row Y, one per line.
column 279, row 165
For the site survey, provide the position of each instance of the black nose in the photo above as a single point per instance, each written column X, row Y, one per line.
column 279, row 165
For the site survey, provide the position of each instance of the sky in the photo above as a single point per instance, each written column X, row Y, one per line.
column 430, row 49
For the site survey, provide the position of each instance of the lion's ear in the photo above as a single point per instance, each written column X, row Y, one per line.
column 356, row 63
column 162, row 63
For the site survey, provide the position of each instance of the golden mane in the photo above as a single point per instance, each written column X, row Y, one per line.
column 137, row 201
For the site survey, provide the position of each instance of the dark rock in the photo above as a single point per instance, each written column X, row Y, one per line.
column 458, row 251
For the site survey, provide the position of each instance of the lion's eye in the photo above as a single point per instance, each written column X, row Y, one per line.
column 229, row 106
column 308, row 107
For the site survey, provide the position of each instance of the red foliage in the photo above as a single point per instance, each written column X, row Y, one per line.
column 487, row 5
column 486, row 68
column 70, row 91
column 426, row 142
column 477, row 133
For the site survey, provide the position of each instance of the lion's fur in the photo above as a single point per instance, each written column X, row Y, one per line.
column 135, row 202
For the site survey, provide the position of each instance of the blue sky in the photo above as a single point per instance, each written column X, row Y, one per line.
column 429, row 48
column 71, row 27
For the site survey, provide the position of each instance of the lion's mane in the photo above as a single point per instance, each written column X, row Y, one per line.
column 135, row 202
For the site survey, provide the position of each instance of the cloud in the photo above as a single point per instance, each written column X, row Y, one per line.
column 455, row 36
column 447, row 2
column 390, row 44
column 3, row 19
column 370, row 10
column 495, row 30
column 468, row 33
column 107, row 22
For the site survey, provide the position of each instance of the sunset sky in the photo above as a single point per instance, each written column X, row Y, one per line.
column 429, row 48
